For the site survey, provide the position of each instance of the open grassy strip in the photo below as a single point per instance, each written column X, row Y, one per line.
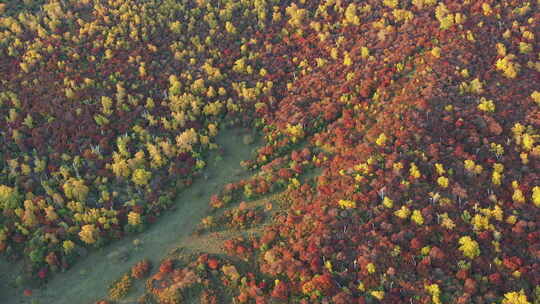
column 88, row 279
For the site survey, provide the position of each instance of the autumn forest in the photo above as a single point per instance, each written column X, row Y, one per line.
column 270, row 151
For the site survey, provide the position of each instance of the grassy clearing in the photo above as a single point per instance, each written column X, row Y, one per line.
column 88, row 279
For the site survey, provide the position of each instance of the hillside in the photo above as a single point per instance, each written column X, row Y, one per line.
column 397, row 159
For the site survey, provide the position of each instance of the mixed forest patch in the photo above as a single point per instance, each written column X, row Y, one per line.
column 422, row 115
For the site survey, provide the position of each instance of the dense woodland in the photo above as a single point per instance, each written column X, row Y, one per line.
column 423, row 117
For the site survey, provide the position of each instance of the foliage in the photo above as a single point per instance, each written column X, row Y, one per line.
column 141, row 269
column 422, row 115
column 120, row 288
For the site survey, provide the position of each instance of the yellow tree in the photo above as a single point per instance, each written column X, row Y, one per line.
column 75, row 189
column 119, row 166
column 156, row 158
column 186, row 140
column 50, row 214
column 9, row 197
column 134, row 218
column 141, row 177
column 29, row 218
column 88, row 234
column 350, row 15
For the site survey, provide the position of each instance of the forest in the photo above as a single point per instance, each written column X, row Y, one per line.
column 323, row 151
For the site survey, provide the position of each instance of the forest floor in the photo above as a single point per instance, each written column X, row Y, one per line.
column 88, row 280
